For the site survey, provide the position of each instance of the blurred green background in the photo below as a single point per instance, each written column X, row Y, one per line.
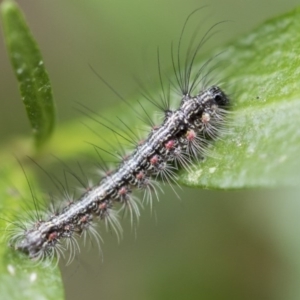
column 210, row 245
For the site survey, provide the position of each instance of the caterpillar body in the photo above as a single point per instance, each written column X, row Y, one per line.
column 182, row 137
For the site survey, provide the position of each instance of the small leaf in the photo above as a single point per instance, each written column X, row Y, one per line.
column 28, row 65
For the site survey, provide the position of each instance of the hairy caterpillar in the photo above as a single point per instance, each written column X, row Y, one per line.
column 183, row 136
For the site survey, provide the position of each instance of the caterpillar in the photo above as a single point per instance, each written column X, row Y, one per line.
column 182, row 137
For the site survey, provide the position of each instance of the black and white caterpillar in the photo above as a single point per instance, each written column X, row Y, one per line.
column 183, row 136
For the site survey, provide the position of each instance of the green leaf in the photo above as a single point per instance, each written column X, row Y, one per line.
column 28, row 65
column 21, row 278
column 262, row 146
